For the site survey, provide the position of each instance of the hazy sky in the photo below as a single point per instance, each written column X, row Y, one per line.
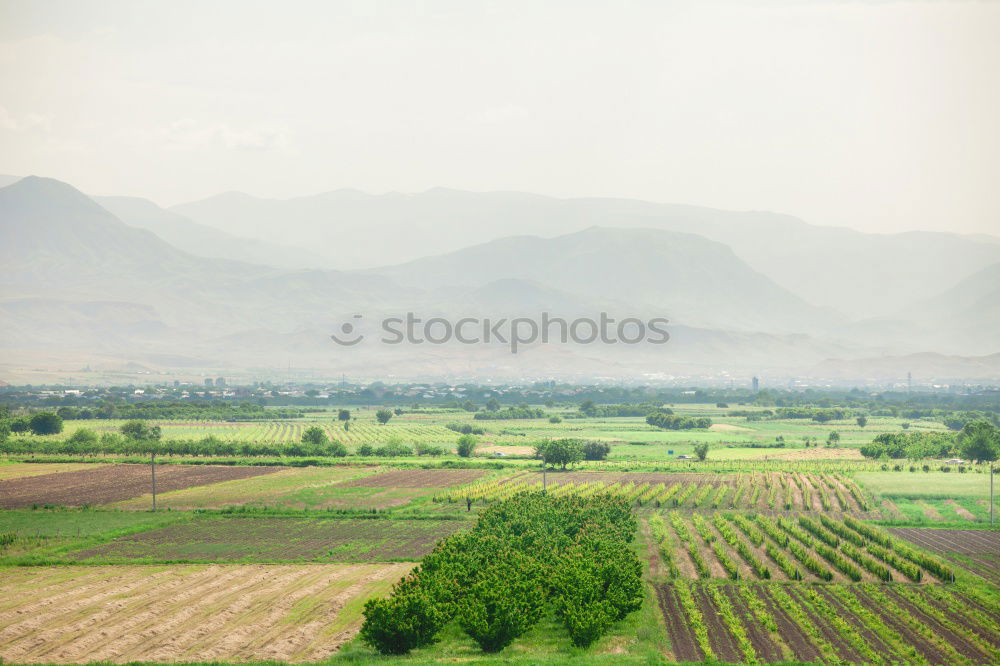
column 878, row 115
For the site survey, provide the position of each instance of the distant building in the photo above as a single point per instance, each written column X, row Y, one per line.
column 209, row 381
column 756, row 384
column 220, row 381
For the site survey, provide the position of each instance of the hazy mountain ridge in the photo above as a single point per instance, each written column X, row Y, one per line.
column 206, row 241
column 856, row 273
column 79, row 279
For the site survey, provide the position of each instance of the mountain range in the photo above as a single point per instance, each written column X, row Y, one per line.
column 240, row 282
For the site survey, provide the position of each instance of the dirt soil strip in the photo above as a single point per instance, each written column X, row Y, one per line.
column 763, row 644
column 682, row 639
column 802, row 647
column 416, row 478
column 193, row 613
column 114, row 483
column 723, row 643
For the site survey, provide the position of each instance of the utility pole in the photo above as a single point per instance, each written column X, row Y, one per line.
column 152, row 466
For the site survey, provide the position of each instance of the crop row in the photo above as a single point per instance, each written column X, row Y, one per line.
column 778, row 492
column 795, row 549
column 869, row 623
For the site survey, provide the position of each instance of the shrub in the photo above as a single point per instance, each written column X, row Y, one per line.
column 596, row 450
column 466, row 445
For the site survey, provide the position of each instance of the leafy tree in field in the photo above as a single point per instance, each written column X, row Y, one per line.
column 393, row 449
column 979, row 441
column 46, row 423
column 466, row 445
column 314, row 435
column 140, row 431
column 862, row 421
column 4, row 431
column 587, row 406
column 366, row 450
column 701, row 450
column 344, row 415
column 20, row 424
column 562, row 452
column 84, row 436
column 505, row 602
column 555, row 419
column 383, row 416
column 492, row 404
column 398, row 411
column 833, row 438
column 407, row 620
column 596, row 450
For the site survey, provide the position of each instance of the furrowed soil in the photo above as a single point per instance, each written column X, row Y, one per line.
column 417, row 478
column 114, row 483
column 975, row 550
column 763, row 644
column 722, row 641
column 683, row 642
column 279, row 539
column 186, row 612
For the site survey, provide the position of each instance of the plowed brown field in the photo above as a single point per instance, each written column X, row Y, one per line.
column 113, row 483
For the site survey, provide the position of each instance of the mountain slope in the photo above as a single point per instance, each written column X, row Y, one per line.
column 853, row 272
column 690, row 280
column 205, row 241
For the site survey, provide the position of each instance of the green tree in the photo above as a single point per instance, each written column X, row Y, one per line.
column 383, row 416
column 562, row 452
column 596, row 450
column 492, row 404
column 833, row 438
column 344, row 415
column 45, row 423
column 862, row 421
column 466, row 445
column 140, row 431
column 505, row 602
column 979, row 441
column 314, row 435
column 701, row 450
column 84, row 436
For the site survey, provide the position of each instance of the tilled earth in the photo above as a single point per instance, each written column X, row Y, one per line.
column 113, row 483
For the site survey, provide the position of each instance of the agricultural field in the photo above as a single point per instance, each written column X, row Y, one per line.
column 101, row 484
column 977, row 551
column 233, row 538
column 631, row 438
column 756, row 554
column 833, row 623
column 772, row 492
column 173, row 613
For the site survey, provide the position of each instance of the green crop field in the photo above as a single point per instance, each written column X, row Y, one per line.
column 784, row 545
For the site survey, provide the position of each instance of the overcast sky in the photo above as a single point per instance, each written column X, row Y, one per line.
column 877, row 115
